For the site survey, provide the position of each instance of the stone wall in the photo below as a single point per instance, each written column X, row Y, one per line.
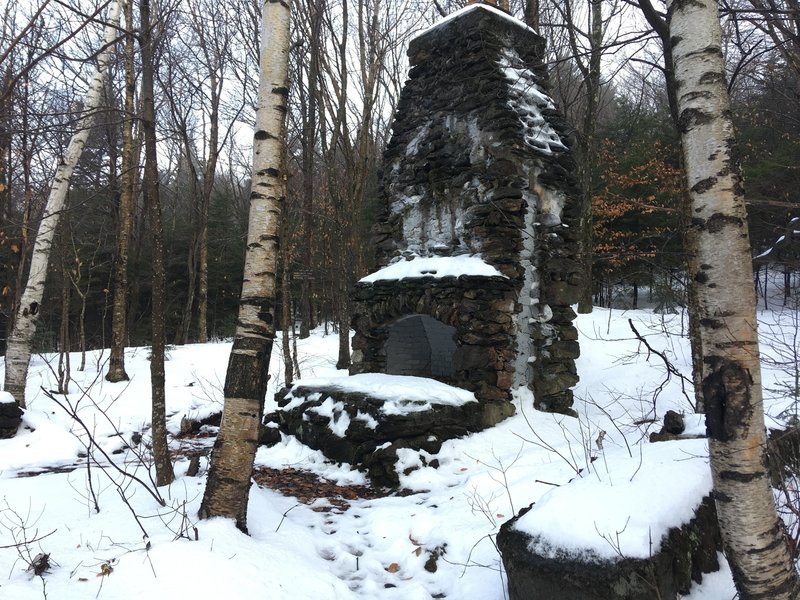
column 479, row 164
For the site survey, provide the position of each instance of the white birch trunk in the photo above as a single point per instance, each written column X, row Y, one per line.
column 18, row 351
column 231, row 466
column 723, row 279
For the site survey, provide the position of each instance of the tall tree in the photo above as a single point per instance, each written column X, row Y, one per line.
column 215, row 50
column 248, row 366
column 164, row 473
column 309, row 145
column 193, row 83
column 119, row 328
column 357, row 112
column 18, row 352
column 722, row 274
column 590, row 73
column 658, row 21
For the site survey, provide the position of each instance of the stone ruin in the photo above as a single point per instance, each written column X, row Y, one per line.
column 476, row 241
column 478, row 165
column 685, row 553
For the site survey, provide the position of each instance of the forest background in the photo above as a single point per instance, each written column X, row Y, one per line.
column 347, row 65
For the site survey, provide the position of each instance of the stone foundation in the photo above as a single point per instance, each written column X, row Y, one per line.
column 361, row 433
column 686, row 553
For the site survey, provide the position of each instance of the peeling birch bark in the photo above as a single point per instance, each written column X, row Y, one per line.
column 723, row 281
column 18, row 350
column 231, row 467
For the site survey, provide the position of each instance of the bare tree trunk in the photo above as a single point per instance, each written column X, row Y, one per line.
column 248, row 367
column 205, row 204
column 163, row 465
column 731, row 378
column 18, row 352
column 202, row 285
column 182, row 335
column 343, row 360
column 285, row 305
column 295, row 353
column 309, row 139
column 532, row 14
column 591, row 77
column 74, row 278
column 63, row 330
column 343, row 304
column 116, row 362
column 82, row 328
column 659, row 25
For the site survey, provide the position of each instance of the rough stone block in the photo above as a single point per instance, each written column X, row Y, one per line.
column 686, row 553
column 10, row 417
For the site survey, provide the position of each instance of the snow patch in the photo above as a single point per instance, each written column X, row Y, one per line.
column 413, row 145
column 617, row 509
column 368, row 419
column 527, row 101
column 469, row 8
column 402, row 394
column 338, row 418
column 434, row 266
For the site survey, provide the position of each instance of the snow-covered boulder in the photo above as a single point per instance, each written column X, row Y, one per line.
column 632, row 527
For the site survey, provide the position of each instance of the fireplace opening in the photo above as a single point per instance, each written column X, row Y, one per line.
column 420, row 345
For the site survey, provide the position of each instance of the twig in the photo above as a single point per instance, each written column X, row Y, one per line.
column 31, row 541
column 72, row 413
column 542, row 444
column 284, row 516
column 671, row 370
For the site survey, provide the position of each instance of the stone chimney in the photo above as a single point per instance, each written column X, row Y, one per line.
column 476, row 239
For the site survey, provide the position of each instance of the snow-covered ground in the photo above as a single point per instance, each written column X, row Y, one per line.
column 373, row 548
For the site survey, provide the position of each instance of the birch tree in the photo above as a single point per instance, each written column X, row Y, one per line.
column 18, row 352
column 231, row 466
column 658, row 21
column 723, row 279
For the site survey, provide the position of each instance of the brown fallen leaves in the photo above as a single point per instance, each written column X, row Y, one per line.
column 308, row 487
